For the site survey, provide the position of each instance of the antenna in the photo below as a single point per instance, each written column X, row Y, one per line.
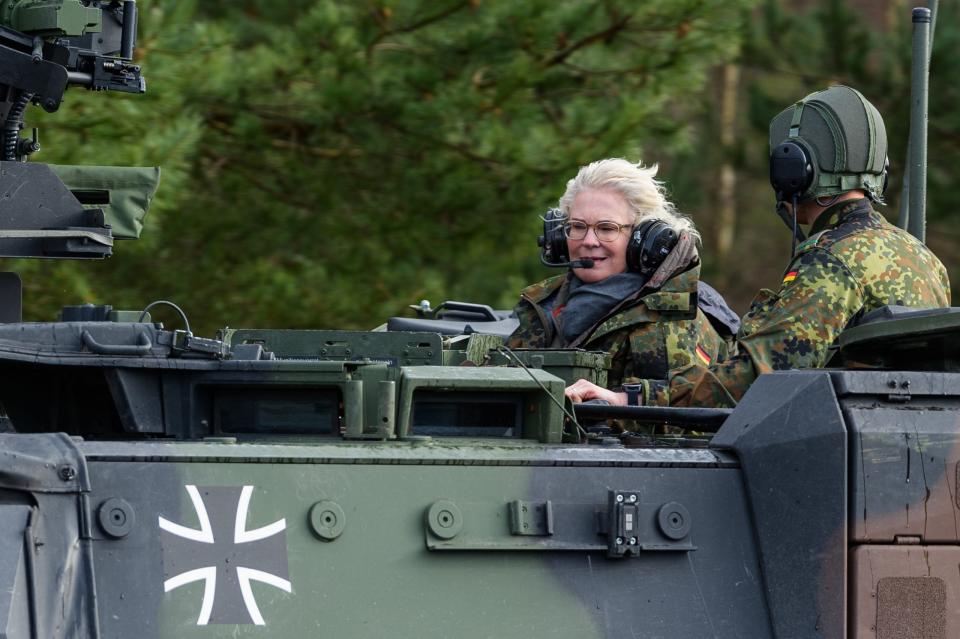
column 914, row 196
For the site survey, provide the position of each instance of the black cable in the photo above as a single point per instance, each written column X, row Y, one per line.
column 793, row 238
column 581, row 433
column 183, row 315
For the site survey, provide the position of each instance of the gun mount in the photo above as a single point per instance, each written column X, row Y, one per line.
column 47, row 45
column 64, row 212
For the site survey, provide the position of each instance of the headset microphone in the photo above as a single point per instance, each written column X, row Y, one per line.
column 649, row 244
column 584, row 263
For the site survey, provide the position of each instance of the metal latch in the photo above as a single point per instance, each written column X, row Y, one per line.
column 184, row 342
column 632, row 526
column 623, row 512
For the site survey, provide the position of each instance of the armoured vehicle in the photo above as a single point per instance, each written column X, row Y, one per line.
column 424, row 481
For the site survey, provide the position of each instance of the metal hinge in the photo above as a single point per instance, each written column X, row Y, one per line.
column 83, row 506
column 531, row 518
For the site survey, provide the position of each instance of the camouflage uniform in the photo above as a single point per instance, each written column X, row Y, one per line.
column 647, row 334
column 858, row 264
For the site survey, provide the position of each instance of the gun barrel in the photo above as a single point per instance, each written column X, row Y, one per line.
column 79, row 77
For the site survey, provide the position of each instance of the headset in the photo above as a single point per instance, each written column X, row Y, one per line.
column 650, row 243
column 795, row 169
column 791, row 175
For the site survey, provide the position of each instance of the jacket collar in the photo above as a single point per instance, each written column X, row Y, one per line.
column 837, row 213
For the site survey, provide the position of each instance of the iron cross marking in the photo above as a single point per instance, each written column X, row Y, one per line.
column 224, row 555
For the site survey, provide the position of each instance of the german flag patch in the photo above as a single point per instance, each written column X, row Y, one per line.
column 789, row 277
column 703, row 356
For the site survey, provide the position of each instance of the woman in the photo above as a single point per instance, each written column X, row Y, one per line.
column 620, row 295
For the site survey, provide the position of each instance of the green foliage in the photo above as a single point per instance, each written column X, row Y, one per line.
column 326, row 163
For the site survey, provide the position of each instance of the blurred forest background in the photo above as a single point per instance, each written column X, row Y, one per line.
column 327, row 162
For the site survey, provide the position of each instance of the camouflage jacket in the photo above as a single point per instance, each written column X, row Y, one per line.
column 647, row 334
column 842, row 271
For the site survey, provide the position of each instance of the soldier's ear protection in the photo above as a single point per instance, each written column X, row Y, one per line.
column 886, row 175
column 553, row 242
column 791, row 169
column 649, row 244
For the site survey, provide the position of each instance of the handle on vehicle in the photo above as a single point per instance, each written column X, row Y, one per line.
column 142, row 347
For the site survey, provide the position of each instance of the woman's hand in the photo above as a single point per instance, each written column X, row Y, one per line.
column 582, row 390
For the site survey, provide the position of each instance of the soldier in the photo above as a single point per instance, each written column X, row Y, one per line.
column 828, row 155
column 631, row 287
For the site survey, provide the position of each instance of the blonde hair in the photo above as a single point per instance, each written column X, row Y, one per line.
column 645, row 195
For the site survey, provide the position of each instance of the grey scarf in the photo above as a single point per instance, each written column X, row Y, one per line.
column 587, row 303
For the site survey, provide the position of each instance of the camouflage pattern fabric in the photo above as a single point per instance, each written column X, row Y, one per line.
column 647, row 334
column 858, row 264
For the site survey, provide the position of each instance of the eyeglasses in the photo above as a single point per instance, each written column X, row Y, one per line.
column 605, row 231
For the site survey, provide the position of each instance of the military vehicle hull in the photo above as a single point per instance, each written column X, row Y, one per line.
column 825, row 506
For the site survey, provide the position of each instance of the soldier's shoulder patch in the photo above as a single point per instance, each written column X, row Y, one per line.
column 703, row 355
column 789, row 277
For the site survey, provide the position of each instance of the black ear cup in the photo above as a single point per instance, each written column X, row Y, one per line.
column 886, row 175
column 649, row 245
column 791, row 170
column 553, row 242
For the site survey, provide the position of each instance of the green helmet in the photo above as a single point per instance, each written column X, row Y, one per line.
column 828, row 143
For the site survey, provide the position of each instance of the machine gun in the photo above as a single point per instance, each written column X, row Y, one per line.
column 47, row 45
column 50, row 211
